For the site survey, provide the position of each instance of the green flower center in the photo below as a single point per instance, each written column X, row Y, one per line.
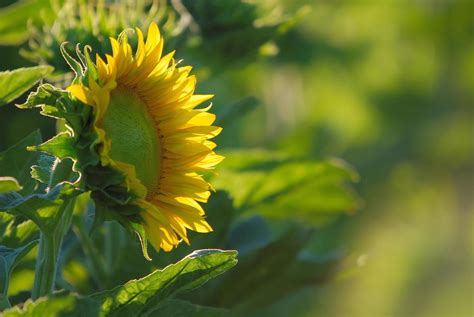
column 133, row 135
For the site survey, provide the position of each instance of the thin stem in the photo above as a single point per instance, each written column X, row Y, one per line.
column 51, row 239
column 46, row 266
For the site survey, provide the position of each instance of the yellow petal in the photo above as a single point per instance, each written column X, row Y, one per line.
column 82, row 93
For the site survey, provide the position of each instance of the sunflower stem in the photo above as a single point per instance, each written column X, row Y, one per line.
column 49, row 250
column 46, row 265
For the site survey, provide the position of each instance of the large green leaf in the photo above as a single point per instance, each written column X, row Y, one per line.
column 278, row 186
column 143, row 296
column 14, row 19
column 149, row 296
column 14, row 83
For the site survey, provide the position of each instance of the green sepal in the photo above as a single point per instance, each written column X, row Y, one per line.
column 80, row 144
column 59, row 104
column 73, row 64
column 142, row 237
column 82, row 57
column 89, row 64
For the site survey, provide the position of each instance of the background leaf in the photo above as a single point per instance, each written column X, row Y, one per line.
column 16, row 82
column 14, row 18
column 274, row 185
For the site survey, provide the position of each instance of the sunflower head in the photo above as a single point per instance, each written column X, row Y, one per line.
column 152, row 141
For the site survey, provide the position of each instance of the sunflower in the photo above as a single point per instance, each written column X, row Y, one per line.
column 145, row 117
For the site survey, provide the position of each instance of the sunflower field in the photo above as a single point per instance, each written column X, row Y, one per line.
column 237, row 158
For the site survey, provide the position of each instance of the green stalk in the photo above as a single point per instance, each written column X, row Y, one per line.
column 49, row 249
column 46, row 266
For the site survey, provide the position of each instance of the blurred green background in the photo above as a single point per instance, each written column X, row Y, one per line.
column 388, row 86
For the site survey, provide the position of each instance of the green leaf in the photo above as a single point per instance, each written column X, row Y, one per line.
column 9, row 184
column 66, row 304
column 62, row 304
column 140, row 297
column 42, row 172
column 61, row 146
column 14, row 18
column 275, row 185
column 16, row 161
column 44, row 209
column 14, row 83
column 37, row 203
column 9, row 258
